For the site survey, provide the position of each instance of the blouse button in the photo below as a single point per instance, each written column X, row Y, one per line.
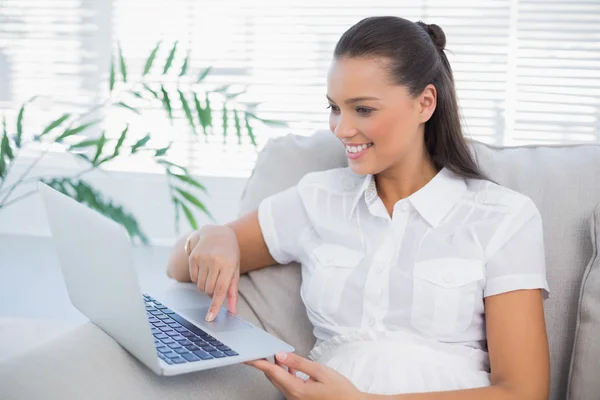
column 447, row 278
column 372, row 321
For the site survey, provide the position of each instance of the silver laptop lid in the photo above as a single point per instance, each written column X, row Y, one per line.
column 97, row 265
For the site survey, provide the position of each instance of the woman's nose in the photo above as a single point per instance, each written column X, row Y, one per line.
column 344, row 129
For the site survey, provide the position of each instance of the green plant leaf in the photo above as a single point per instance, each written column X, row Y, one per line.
column 269, row 122
column 2, row 167
column 85, row 157
column 203, row 74
column 122, row 64
column 120, row 141
column 140, row 143
column 249, row 129
column 74, row 131
column 86, row 194
column 201, row 114
column 222, row 89
column 135, row 110
column 186, row 109
column 116, row 150
column 225, row 120
column 189, row 215
column 170, row 164
column 112, row 76
column 55, row 124
column 184, row 67
column 208, row 111
column 5, row 149
column 151, row 58
column 137, row 94
column 170, row 58
column 19, row 135
column 234, row 95
column 2, row 148
column 99, row 148
column 156, row 96
column 238, row 126
column 84, row 143
column 163, row 151
column 176, row 204
column 193, row 200
column 190, row 180
column 166, row 102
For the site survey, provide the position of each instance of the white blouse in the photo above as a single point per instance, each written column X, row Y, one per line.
column 425, row 270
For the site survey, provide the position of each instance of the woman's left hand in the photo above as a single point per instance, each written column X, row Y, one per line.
column 324, row 383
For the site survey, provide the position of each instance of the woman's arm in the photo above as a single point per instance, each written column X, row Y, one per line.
column 254, row 253
column 518, row 348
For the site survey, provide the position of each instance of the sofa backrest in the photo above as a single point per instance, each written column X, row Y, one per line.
column 563, row 181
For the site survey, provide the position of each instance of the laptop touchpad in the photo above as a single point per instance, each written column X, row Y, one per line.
column 225, row 321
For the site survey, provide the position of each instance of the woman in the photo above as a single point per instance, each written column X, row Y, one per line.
column 419, row 274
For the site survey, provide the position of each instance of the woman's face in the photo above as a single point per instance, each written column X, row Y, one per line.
column 379, row 123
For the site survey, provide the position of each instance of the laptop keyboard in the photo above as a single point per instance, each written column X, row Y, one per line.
column 178, row 341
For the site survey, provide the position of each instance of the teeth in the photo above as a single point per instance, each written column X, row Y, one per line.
column 356, row 149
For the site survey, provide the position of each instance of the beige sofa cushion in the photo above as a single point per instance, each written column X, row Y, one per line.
column 585, row 379
column 562, row 181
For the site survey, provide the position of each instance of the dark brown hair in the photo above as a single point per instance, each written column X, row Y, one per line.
column 415, row 52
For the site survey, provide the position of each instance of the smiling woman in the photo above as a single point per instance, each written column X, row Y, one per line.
column 390, row 86
column 419, row 275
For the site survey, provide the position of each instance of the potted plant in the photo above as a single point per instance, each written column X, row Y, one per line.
column 72, row 134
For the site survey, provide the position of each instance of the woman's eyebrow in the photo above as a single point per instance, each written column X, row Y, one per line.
column 354, row 99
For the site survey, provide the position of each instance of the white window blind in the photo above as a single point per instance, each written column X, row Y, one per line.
column 526, row 71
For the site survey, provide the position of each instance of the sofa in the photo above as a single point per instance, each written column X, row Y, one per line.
column 563, row 181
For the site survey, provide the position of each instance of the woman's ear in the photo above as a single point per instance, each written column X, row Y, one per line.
column 427, row 103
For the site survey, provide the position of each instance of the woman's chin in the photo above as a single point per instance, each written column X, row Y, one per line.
column 360, row 168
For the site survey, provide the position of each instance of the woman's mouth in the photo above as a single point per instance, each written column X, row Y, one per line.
column 354, row 151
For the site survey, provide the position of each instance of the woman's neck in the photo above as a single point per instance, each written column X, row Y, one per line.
column 400, row 181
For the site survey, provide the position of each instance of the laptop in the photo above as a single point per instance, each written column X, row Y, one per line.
column 168, row 334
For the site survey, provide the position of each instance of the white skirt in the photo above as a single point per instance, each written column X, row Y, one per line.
column 401, row 362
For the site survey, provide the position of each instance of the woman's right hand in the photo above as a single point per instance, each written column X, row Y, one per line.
column 214, row 265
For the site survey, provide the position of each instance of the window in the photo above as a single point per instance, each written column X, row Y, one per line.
column 526, row 71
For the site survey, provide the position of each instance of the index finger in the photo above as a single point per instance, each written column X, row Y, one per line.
column 223, row 282
column 311, row 368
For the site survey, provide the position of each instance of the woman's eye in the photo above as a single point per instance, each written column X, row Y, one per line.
column 363, row 110
column 333, row 108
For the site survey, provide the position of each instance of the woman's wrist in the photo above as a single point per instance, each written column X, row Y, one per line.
column 207, row 230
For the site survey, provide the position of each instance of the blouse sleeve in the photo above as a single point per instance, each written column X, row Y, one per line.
column 283, row 219
column 516, row 258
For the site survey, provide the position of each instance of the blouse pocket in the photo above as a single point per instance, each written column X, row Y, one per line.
column 332, row 266
column 445, row 291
